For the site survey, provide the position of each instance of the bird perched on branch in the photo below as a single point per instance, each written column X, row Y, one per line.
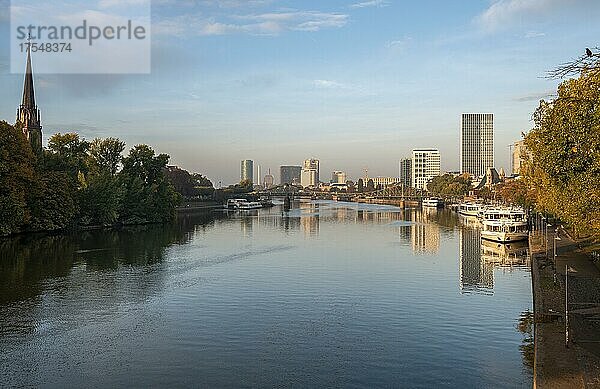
column 588, row 52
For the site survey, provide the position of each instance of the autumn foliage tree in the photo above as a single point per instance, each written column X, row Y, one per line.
column 515, row 192
column 564, row 170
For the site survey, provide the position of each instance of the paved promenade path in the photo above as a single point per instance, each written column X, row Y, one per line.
column 556, row 365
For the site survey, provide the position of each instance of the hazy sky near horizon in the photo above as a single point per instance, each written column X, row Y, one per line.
column 356, row 84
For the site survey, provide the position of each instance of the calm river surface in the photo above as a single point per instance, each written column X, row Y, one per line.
column 330, row 295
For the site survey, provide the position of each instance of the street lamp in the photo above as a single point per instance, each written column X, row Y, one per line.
column 556, row 237
column 566, row 305
column 546, row 234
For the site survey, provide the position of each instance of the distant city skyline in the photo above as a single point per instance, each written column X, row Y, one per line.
column 355, row 84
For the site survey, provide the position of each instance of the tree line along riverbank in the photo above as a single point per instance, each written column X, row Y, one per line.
column 77, row 184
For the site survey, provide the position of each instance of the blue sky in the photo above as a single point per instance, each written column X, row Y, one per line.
column 357, row 84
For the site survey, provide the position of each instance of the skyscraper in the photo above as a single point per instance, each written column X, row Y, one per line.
column 426, row 164
column 28, row 114
column 406, row 172
column 247, row 171
column 310, row 173
column 289, row 174
column 338, row 177
column 476, row 143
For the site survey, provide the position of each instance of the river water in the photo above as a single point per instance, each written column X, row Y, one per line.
column 329, row 295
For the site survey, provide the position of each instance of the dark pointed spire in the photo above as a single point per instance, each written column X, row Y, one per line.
column 28, row 114
column 28, row 90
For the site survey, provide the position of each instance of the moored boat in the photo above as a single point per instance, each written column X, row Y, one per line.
column 433, row 202
column 243, row 204
column 247, row 205
column 469, row 209
column 504, row 225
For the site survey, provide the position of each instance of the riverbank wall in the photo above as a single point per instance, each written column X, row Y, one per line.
column 566, row 353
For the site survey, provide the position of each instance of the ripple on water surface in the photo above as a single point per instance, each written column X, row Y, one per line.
column 329, row 294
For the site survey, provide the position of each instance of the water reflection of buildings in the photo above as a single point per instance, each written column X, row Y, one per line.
column 425, row 235
column 247, row 223
column 309, row 219
column 420, row 231
column 475, row 274
column 479, row 258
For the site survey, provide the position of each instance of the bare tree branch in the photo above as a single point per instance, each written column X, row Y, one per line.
column 585, row 62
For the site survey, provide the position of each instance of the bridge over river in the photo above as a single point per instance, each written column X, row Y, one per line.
column 392, row 195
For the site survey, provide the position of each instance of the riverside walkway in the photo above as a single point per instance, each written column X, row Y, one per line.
column 556, row 365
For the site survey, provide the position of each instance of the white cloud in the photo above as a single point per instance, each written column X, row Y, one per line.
column 221, row 4
column 300, row 20
column 329, row 84
column 235, row 3
column 534, row 34
column 103, row 4
column 505, row 12
column 399, row 45
column 371, row 3
column 257, row 24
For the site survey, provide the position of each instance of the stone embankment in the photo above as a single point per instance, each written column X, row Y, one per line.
column 567, row 350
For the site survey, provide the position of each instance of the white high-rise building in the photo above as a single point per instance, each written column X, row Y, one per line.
column 426, row 164
column 310, row 173
column 476, row 143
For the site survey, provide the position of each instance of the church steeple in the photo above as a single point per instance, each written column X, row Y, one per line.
column 28, row 90
column 28, row 114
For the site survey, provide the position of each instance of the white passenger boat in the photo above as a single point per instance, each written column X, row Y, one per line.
column 504, row 225
column 469, row 209
column 246, row 205
column 433, row 202
column 243, row 204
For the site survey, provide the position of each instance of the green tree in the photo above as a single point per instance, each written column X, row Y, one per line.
column 183, row 182
column 101, row 192
column 105, row 155
column 54, row 203
column 149, row 196
column 438, row 185
column 204, row 187
column 68, row 153
column 16, row 178
column 448, row 185
column 100, row 200
column 201, row 181
column 143, row 163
